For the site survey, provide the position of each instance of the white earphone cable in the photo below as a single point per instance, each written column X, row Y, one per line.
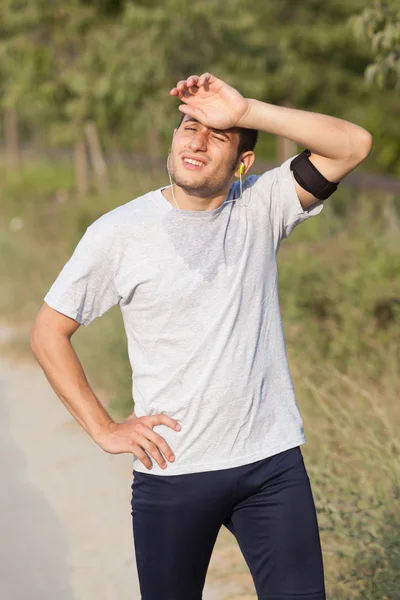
column 172, row 185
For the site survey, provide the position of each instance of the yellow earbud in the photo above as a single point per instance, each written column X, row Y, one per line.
column 241, row 170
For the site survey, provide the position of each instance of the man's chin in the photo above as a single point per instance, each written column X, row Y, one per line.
column 195, row 186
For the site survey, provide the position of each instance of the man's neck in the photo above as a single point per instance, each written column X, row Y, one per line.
column 187, row 201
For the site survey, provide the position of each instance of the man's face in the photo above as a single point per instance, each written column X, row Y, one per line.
column 202, row 160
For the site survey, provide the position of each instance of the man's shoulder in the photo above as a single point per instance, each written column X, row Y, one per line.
column 126, row 215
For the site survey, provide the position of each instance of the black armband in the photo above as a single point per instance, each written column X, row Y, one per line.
column 308, row 176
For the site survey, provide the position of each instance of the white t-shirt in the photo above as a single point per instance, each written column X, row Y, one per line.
column 198, row 292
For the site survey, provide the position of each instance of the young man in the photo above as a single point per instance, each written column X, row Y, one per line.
column 216, row 430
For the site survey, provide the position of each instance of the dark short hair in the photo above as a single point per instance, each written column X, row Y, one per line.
column 247, row 140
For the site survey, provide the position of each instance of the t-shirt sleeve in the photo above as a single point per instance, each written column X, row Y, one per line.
column 85, row 288
column 276, row 188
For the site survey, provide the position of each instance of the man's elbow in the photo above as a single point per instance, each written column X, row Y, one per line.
column 362, row 145
column 367, row 143
column 37, row 338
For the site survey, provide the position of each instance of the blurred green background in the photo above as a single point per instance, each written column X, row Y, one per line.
column 86, row 124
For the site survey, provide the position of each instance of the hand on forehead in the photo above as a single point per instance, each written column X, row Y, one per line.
column 210, row 101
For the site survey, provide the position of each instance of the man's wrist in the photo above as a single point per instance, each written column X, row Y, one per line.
column 246, row 117
column 98, row 430
column 249, row 119
column 266, row 117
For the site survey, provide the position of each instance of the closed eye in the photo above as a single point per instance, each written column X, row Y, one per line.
column 216, row 136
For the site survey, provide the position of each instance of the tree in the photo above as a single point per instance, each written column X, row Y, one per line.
column 380, row 26
column 111, row 63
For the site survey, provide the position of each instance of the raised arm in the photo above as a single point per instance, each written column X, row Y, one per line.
column 336, row 146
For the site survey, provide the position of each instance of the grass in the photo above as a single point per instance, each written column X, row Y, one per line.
column 339, row 295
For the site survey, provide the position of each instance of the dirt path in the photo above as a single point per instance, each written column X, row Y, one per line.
column 64, row 504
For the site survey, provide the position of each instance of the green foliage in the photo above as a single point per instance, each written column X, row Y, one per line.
column 339, row 296
column 373, row 525
column 372, row 530
column 379, row 567
column 63, row 63
column 380, row 26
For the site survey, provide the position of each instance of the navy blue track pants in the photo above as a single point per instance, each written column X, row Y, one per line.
column 267, row 505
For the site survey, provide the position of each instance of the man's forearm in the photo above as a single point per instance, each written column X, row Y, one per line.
column 65, row 374
column 322, row 134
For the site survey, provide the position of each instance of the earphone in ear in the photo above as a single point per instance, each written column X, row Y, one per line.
column 241, row 171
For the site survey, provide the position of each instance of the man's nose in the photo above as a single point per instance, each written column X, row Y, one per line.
column 198, row 141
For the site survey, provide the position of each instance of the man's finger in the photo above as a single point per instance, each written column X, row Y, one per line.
column 161, row 444
column 184, row 94
column 191, row 111
column 152, row 450
column 203, row 78
column 162, row 419
column 192, row 80
column 139, row 452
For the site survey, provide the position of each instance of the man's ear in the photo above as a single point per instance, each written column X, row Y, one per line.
column 246, row 159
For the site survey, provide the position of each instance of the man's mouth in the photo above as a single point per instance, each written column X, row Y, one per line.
column 192, row 163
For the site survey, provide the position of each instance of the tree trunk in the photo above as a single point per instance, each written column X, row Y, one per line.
column 96, row 158
column 390, row 215
column 11, row 141
column 118, row 167
column 81, row 169
column 153, row 141
column 285, row 149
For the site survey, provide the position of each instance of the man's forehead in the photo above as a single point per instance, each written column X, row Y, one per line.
column 228, row 132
